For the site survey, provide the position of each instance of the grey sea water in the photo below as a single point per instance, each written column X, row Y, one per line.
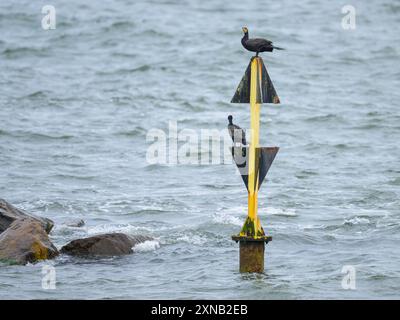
column 76, row 104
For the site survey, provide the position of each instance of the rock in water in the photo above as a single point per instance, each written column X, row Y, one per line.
column 75, row 223
column 9, row 213
column 110, row 244
column 25, row 241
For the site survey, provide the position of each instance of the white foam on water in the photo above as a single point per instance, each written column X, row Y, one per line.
column 149, row 245
column 123, row 228
column 193, row 239
column 40, row 264
column 232, row 216
column 110, row 228
column 357, row 220
column 236, row 210
column 224, row 218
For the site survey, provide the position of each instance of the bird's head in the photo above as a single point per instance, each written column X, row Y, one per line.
column 245, row 30
column 230, row 118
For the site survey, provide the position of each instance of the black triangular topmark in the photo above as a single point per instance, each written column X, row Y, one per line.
column 265, row 89
column 264, row 158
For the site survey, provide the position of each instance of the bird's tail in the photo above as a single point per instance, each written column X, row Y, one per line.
column 278, row 48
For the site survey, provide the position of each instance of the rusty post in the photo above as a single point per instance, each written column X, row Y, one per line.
column 251, row 256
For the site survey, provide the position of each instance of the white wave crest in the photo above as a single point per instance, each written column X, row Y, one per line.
column 123, row 228
column 193, row 239
column 149, row 245
column 224, row 218
column 357, row 220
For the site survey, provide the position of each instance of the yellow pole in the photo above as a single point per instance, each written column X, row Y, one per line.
column 254, row 126
column 252, row 225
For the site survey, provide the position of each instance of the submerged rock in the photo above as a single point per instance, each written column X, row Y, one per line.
column 25, row 241
column 75, row 223
column 109, row 244
column 9, row 214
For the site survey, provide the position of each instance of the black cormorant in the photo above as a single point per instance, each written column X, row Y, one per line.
column 237, row 133
column 257, row 44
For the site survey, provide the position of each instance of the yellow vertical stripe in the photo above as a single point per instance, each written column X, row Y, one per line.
column 254, row 126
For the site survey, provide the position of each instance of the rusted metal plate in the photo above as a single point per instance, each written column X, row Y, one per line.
column 266, row 92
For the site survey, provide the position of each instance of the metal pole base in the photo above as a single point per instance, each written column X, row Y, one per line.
column 251, row 256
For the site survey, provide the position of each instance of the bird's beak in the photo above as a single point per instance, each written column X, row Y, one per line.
column 244, row 29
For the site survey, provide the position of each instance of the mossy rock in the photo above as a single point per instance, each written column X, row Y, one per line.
column 9, row 214
column 25, row 241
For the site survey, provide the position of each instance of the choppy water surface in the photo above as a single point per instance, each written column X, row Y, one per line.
column 77, row 102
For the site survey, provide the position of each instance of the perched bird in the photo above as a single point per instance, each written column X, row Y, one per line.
column 237, row 133
column 257, row 44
